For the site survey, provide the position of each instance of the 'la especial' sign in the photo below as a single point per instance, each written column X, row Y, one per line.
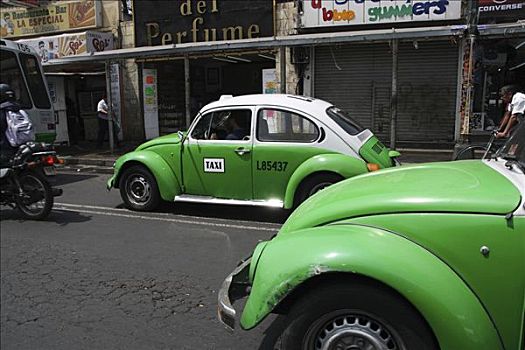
column 320, row 13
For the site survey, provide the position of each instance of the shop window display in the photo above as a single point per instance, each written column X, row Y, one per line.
column 497, row 63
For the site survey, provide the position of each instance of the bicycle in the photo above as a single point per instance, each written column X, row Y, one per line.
column 481, row 151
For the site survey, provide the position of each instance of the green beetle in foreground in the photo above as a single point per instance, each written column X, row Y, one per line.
column 428, row 256
column 264, row 150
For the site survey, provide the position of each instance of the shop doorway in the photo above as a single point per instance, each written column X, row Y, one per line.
column 210, row 78
column 497, row 62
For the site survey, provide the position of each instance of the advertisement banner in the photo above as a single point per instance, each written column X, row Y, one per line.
column 58, row 46
column 501, row 10
column 151, row 107
column 269, row 81
column 322, row 13
column 56, row 17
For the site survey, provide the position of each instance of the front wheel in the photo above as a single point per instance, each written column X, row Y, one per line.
column 36, row 198
column 360, row 317
column 138, row 189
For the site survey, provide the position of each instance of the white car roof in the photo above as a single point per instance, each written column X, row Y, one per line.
column 301, row 103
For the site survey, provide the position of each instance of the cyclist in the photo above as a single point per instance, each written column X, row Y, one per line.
column 515, row 101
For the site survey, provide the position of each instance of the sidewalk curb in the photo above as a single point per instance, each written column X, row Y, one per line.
column 83, row 169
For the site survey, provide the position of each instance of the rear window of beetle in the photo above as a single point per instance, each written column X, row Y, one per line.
column 344, row 120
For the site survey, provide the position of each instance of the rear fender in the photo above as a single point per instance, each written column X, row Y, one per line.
column 343, row 165
column 169, row 185
column 452, row 310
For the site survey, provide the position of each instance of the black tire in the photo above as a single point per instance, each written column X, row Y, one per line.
column 355, row 316
column 314, row 184
column 37, row 201
column 471, row 152
column 139, row 189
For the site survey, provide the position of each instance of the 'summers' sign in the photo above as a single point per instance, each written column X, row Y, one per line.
column 167, row 22
column 322, row 13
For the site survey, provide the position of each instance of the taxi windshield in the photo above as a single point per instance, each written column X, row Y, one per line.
column 344, row 121
column 514, row 148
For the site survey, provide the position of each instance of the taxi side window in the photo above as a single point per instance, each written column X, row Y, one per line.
column 228, row 125
column 201, row 129
column 275, row 125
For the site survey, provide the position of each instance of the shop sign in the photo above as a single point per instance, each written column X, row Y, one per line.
column 320, row 13
column 506, row 10
column 187, row 21
column 58, row 46
column 151, row 107
column 56, row 17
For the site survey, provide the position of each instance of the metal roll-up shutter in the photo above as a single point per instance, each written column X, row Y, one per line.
column 427, row 91
column 355, row 78
column 358, row 78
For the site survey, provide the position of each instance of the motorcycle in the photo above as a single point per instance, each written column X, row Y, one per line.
column 23, row 184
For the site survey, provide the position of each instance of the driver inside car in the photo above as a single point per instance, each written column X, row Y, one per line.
column 230, row 128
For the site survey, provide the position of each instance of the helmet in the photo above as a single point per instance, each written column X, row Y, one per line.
column 6, row 93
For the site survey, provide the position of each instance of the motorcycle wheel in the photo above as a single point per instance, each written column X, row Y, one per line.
column 37, row 199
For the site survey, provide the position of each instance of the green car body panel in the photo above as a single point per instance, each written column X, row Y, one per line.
column 156, row 160
column 337, row 163
column 418, row 188
column 418, row 233
column 444, row 300
column 373, row 151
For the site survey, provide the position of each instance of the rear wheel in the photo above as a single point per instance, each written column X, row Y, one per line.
column 314, row 184
column 36, row 200
column 138, row 189
column 357, row 317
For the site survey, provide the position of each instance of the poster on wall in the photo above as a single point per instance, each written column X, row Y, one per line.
column 58, row 46
column 322, row 13
column 114, row 73
column 151, row 108
column 270, row 83
column 56, row 17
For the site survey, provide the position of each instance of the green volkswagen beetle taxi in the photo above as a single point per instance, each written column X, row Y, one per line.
column 428, row 256
column 267, row 150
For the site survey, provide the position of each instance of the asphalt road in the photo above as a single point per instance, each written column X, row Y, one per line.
column 97, row 276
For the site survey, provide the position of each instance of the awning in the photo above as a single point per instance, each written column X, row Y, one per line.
column 266, row 43
column 502, row 29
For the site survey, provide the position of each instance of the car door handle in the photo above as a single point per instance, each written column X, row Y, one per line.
column 241, row 150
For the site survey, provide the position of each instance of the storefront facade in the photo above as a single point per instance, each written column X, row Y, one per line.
column 358, row 77
column 498, row 59
column 167, row 82
column 57, row 30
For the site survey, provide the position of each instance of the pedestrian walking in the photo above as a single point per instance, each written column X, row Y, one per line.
column 103, row 119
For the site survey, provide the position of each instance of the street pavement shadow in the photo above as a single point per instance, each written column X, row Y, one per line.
column 234, row 212
column 272, row 334
column 62, row 179
column 60, row 217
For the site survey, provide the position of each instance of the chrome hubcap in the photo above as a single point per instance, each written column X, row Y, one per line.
column 354, row 332
column 138, row 189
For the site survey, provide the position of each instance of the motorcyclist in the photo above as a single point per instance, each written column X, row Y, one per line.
column 7, row 103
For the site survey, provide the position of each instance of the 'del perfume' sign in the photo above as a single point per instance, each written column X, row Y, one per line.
column 186, row 21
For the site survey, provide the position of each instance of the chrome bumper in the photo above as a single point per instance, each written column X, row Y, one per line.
column 234, row 287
